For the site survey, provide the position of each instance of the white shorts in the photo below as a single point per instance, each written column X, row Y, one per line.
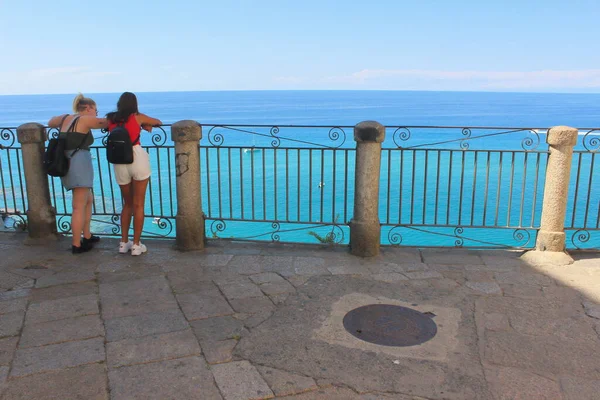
column 138, row 170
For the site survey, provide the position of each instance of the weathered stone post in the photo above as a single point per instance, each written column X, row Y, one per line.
column 550, row 244
column 365, row 228
column 190, row 219
column 41, row 216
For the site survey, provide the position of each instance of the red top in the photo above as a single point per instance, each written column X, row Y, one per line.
column 132, row 127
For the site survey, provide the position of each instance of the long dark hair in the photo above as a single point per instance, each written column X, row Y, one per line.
column 126, row 106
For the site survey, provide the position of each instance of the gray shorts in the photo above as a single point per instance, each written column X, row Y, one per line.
column 81, row 172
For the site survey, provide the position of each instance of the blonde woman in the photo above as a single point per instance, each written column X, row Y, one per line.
column 76, row 128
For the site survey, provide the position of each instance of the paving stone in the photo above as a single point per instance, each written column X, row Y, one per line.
column 444, row 284
column 129, row 273
column 69, row 307
column 247, row 265
column 348, row 270
column 240, row 290
column 144, row 324
column 479, row 276
column 522, row 291
column 512, row 383
column 255, row 320
column 57, row 356
column 415, row 267
column 515, row 350
column 63, row 291
column 63, row 278
column 217, row 329
column 10, row 324
column 9, row 281
column 279, row 299
column 152, row 348
column 335, row 393
column 524, row 278
column 200, row 306
column 15, row 305
column 14, row 294
column 7, row 349
column 580, row 389
column 253, row 305
column 451, row 256
column 484, row 287
column 389, row 277
column 3, row 377
column 423, row 275
column 496, row 322
column 218, row 352
column 310, row 266
column 284, row 383
column 122, row 299
column 384, row 267
column 266, row 277
column 184, row 378
column 592, row 309
column 298, row 280
column 276, row 263
column 61, row 331
column 240, row 381
column 183, row 285
column 275, row 288
column 85, row 382
column 214, row 260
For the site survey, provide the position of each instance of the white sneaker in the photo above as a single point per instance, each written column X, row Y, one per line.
column 125, row 247
column 138, row 249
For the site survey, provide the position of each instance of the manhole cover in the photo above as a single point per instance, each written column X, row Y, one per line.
column 389, row 325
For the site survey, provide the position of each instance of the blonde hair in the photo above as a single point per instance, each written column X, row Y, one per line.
column 81, row 102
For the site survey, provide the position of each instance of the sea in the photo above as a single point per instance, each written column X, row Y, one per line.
column 286, row 159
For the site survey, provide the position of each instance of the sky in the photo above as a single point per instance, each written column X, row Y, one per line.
column 69, row 46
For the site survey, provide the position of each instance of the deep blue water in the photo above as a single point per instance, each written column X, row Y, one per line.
column 418, row 188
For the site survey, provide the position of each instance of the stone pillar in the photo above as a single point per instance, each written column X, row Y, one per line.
column 190, row 219
column 551, row 236
column 41, row 216
column 365, row 228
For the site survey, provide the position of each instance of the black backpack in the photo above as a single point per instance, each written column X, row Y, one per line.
column 56, row 163
column 119, row 148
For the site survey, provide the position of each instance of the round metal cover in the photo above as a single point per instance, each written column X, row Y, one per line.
column 390, row 325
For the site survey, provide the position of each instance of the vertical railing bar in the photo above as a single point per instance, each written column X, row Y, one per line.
column 230, row 184
column 12, row 183
column 112, row 189
column 208, row 182
column 499, row 186
column 150, row 189
column 219, row 183
column 169, row 171
column 576, row 190
column 241, row 182
column 298, row 180
column 462, row 182
column 264, row 186
column 389, row 179
column 522, row 206
column 275, row 176
column 20, row 181
column 487, row 184
column 310, row 167
column 162, row 211
column 425, row 185
column 346, row 186
column 252, row 181
column 474, row 187
column 401, row 184
column 449, row 187
column 322, row 182
column 412, row 194
column 287, row 186
column 4, row 186
column 100, row 179
column 334, row 175
column 512, row 176
column 437, row 186
column 535, row 186
column 587, row 203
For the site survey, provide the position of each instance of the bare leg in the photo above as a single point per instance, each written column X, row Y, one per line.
column 88, row 216
column 139, row 199
column 126, row 212
column 80, row 198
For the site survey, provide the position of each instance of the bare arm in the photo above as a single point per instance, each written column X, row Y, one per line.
column 55, row 121
column 143, row 119
column 93, row 123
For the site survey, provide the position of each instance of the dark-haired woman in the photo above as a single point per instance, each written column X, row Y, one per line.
column 132, row 178
column 77, row 130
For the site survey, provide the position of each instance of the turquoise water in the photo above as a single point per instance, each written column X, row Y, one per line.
column 440, row 196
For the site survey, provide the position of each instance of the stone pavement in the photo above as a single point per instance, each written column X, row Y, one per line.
column 248, row 321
